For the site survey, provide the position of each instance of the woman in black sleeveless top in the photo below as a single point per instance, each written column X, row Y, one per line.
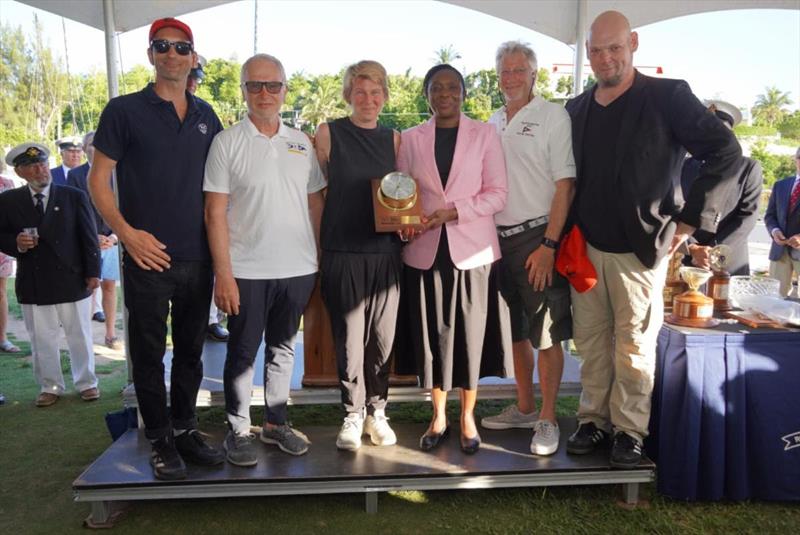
column 360, row 268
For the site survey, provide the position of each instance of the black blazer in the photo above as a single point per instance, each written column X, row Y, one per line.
column 663, row 119
column 56, row 270
column 739, row 216
column 779, row 216
column 78, row 178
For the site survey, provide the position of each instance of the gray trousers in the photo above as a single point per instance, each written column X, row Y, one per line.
column 362, row 293
column 272, row 309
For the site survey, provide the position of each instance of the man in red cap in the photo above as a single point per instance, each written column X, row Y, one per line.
column 158, row 140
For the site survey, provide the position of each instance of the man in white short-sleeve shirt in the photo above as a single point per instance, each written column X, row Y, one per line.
column 263, row 206
column 537, row 143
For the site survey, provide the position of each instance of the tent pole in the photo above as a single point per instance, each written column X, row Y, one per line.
column 111, row 49
column 580, row 39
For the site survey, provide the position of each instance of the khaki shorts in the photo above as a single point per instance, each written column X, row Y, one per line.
column 543, row 317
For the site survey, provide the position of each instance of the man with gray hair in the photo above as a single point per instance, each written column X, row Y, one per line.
column 537, row 143
column 263, row 207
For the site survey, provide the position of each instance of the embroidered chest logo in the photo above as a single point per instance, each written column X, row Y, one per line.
column 297, row 148
column 528, row 129
column 203, row 128
column 792, row 441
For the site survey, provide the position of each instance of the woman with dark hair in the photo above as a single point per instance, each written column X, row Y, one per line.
column 453, row 297
column 360, row 268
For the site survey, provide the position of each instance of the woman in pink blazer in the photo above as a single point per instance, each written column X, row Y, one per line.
column 460, row 324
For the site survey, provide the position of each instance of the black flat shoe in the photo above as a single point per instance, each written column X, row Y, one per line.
column 470, row 445
column 428, row 442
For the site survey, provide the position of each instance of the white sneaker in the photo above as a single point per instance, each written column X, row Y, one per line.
column 349, row 437
column 510, row 418
column 545, row 438
column 377, row 427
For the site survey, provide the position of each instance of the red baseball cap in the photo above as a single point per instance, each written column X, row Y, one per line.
column 169, row 22
column 573, row 261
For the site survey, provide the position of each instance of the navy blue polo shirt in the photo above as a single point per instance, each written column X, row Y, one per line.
column 160, row 166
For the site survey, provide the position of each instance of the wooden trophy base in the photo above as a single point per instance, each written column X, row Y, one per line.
column 692, row 309
column 718, row 287
column 672, row 289
column 388, row 219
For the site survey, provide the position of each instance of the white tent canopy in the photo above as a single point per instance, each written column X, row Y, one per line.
column 564, row 20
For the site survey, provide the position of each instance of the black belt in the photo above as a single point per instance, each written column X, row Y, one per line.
column 506, row 232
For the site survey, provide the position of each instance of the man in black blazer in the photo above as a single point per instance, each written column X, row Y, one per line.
column 630, row 136
column 109, row 252
column 71, row 151
column 783, row 224
column 740, row 214
column 50, row 230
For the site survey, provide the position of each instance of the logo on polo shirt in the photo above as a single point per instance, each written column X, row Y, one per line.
column 203, row 127
column 297, row 148
column 527, row 129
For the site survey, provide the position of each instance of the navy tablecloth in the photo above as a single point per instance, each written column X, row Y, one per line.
column 725, row 422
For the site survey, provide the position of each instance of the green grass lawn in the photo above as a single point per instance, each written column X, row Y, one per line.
column 43, row 450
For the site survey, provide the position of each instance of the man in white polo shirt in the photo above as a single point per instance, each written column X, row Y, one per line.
column 263, row 206
column 537, row 144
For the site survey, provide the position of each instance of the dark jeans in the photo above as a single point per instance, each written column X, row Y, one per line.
column 270, row 309
column 148, row 294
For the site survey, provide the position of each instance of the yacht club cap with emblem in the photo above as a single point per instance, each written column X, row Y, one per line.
column 67, row 143
column 27, row 153
column 725, row 111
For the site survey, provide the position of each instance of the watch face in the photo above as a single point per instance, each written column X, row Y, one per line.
column 398, row 186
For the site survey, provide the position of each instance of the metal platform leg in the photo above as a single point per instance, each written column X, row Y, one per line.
column 100, row 516
column 372, row 502
column 630, row 493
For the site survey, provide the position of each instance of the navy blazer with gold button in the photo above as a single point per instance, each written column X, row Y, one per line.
column 56, row 270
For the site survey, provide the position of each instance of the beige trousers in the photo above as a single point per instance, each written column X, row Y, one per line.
column 782, row 270
column 615, row 326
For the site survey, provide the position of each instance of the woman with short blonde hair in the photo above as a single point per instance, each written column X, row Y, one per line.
column 364, row 70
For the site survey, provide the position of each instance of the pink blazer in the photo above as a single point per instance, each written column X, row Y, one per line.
column 476, row 188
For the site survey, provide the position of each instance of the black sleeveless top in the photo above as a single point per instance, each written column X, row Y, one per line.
column 357, row 155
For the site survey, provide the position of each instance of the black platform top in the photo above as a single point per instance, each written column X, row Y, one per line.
column 125, row 463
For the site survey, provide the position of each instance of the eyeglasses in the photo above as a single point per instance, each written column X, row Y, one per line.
column 255, row 87
column 162, row 46
column 513, row 72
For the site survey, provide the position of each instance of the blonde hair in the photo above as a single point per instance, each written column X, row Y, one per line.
column 367, row 70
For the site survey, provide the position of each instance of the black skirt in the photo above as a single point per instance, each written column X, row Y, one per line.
column 456, row 326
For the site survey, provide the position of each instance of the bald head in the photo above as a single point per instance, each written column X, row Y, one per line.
column 610, row 47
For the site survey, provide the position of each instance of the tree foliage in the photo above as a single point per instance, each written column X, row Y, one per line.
column 774, row 166
column 770, row 106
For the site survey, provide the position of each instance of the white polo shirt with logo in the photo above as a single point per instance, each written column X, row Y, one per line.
column 537, row 144
column 268, row 181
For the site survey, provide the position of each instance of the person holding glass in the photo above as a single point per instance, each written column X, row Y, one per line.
column 461, row 323
column 360, row 268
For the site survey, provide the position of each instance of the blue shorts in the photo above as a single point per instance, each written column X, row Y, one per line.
column 109, row 269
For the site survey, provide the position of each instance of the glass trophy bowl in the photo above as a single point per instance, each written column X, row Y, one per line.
column 692, row 308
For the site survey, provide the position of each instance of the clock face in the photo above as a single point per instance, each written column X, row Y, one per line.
column 398, row 186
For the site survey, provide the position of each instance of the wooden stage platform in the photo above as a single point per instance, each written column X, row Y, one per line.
column 123, row 472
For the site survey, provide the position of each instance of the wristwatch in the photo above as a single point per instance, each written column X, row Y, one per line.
column 552, row 244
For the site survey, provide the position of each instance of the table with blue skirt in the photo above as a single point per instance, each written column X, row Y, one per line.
column 725, row 421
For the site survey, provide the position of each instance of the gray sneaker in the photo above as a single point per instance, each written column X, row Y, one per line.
column 285, row 438
column 240, row 450
column 545, row 438
column 510, row 418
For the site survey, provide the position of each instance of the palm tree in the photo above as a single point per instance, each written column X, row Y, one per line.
column 446, row 54
column 769, row 109
column 324, row 102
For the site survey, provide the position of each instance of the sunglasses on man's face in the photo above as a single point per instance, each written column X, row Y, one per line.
column 255, row 87
column 161, row 46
